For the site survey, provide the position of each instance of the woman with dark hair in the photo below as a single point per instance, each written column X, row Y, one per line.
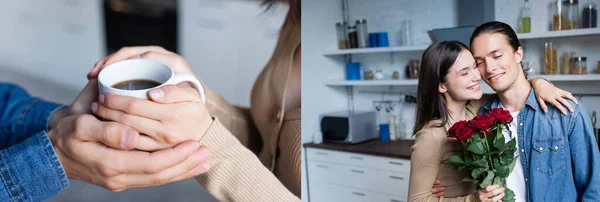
column 255, row 151
column 448, row 91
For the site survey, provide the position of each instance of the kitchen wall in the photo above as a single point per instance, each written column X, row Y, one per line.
column 385, row 15
column 508, row 11
column 228, row 43
column 319, row 36
column 48, row 47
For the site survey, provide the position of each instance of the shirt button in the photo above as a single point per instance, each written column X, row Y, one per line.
column 522, row 150
column 541, row 149
column 278, row 116
column 555, row 147
column 521, row 124
column 526, row 179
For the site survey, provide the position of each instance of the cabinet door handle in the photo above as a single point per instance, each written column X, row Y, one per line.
column 322, row 166
column 394, row 200
column 358, row 193
column 396, row 177
column 357, row 171
column 356, row 157
column 397, row 163
column 322, row 153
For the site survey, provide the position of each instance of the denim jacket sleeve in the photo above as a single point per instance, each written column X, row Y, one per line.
column 585, row 157
column 31, row 171
column 21, row 115
column 29, row 167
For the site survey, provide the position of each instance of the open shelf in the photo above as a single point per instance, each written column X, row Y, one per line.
column 562, row 33
column 376, row 50
column 400, row 82
column 414, row 82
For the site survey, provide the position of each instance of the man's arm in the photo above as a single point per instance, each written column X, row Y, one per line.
column 585, row 157
column 31, row 171
column 21, row 115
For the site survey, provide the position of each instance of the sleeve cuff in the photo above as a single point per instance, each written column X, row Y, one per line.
column 31, row 170
column 36, row 116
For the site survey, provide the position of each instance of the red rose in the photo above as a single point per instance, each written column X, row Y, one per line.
column 482, row 122
column 461, row 130
column 501, row 115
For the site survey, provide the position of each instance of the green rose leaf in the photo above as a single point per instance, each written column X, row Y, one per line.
column 482, row 163
column 499, row 142
column 512, row 144
column 456, row 161
column 476, row 148
column 503, row 171
column 477, row 172
column 499, row 181
column 509, row 195
column 512, row 165
column 468, row 159
column 488, row 180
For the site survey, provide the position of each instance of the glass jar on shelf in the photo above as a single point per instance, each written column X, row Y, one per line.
column 378, row 75
column 556, row 15
column 589, row 16
column 566, row 62
column 579, row 65
column 362, row 33
column 352, row 37
column 342, row 36
column 571, row 14
column 525, row 20
column 396, row 75
column 550, row 58
column 368, row 75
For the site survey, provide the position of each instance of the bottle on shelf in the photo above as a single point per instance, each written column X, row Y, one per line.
column 525, row 20
column 589, row 16
column 570, row 14
column 342, row 36
column 362, row 33
column 550, row 58
column 566, row 59
column 556, row 12
column 352, row 37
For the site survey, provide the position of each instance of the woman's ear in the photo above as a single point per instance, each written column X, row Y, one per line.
column 442, row 88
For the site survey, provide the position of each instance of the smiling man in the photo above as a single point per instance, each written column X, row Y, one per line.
column 557, row 157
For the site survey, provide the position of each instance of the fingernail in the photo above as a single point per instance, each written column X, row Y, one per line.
column 94, row 107
column 204, row 156
column 128, row 138
column 157, row 93
column 101, row 99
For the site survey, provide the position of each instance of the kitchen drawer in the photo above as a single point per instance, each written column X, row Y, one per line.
column 324, row 192
column 325, row 172
column 324, row 155
column 359, row 160
column 393, row 183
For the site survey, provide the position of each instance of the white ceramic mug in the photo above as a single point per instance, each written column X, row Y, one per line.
column 142, row 69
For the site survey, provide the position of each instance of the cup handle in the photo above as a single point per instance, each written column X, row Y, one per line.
column 183, row 77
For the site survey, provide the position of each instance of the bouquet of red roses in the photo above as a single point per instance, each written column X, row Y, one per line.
column 488, row 159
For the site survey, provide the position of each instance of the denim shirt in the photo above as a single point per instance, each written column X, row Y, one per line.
column 559, row 153
column 29, row 167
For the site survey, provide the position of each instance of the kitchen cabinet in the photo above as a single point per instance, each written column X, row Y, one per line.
column 370, row 171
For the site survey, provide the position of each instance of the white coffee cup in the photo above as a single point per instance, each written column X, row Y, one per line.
column 142, row 69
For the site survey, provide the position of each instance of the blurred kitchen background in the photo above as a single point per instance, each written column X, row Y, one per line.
column 360, row 64
column 48, row 47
